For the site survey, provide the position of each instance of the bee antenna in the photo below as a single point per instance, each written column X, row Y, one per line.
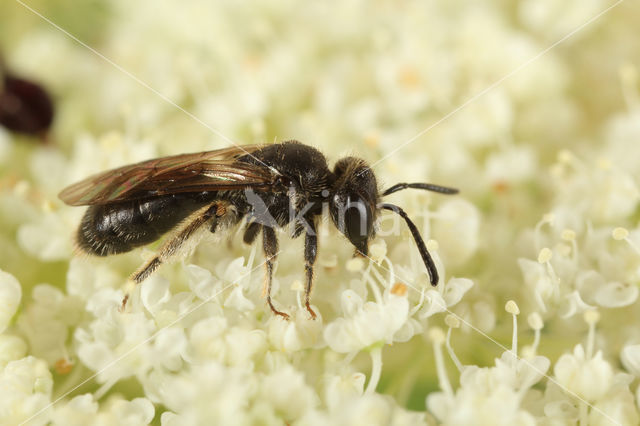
column 426, row 186
column 422, row 248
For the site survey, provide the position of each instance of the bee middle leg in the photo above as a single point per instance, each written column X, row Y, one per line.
column 213, row 212
column 270, row 247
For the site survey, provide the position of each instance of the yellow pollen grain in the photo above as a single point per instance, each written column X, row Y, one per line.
column 399, row 289
column 63, row 366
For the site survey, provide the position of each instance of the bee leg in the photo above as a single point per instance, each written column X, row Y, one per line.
column 270, row 247
column 310, row 252
column 176, row 241
column 251, row 232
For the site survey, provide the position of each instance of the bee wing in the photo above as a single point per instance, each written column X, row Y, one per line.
column 202, row 171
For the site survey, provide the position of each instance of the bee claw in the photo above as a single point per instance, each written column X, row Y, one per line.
column 277, row 312
column 313, row 314
column 123, row 306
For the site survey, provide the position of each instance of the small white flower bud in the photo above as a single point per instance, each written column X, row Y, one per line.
column 355, row 264
column 378, row 251
column 512, row 307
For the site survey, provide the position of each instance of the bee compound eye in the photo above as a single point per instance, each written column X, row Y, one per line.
column 357, row 220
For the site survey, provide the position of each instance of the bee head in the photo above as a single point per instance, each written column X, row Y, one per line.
column 353, row 201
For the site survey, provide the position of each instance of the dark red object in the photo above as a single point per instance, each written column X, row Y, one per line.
column 25, row 107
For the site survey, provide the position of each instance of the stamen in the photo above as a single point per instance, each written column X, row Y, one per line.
column 420, row 303
column 535, row 322
column 623, row 234
column 544, row 258
column 374, row 288
column 452, row 322
column 570, row 236
column 297, row 286
column 376, row 369
column 546, row 219
column 437, row 337
column 591, row 317
column 392, row 275
column 512, row 308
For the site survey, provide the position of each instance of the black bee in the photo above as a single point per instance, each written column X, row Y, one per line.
column 270, row 186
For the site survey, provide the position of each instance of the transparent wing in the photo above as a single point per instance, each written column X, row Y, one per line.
column 202, row 171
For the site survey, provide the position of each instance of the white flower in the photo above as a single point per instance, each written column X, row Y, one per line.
column 11, row 348
column 630, row 357
column 25, row 385
column 47, row 322
column 286, row 391
column 590, row 379
column 212, row 338
column 617, row 406
column 296, row 334
column 207, row 393
column 341, row 389
column 80, row 410
column 437, row 301
column 366, row 323
column 10, row 294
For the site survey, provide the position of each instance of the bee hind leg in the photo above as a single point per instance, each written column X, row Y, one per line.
column 174, row 243
column 310, row 253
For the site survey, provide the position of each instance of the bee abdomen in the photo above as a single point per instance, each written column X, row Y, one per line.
column 121, row 227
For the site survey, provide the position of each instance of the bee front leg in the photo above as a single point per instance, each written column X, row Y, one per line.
column 310, row 253
column 270, row 247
